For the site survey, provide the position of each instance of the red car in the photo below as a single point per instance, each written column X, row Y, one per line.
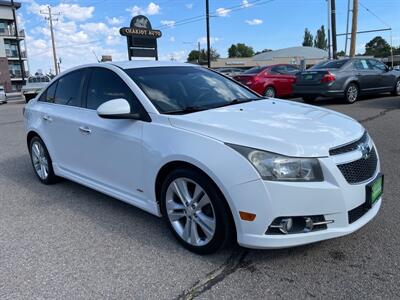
column 270, row 81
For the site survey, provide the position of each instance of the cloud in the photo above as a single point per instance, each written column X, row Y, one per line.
column 168, row 23
column 246, row 4
column 69, row 11
column 213, row 40
column 180, row 56
column 189, row 5
column 223, row 12
column 150, row 9
column 114, row 20
column 172, row 39
column 254, row 22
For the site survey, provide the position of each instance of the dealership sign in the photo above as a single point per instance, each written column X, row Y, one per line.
column 141, row 38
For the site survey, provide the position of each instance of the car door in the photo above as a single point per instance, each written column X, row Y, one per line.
column 111, row 148
column 386, row 79
column 367, row 78
column 282, row 80
column 60, row 113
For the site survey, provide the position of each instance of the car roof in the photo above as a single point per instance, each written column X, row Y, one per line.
column 132, row 64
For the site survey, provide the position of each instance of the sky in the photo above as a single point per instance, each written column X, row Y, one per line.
column 89, row 28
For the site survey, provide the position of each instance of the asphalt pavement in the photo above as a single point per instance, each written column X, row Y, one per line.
column 68, row 241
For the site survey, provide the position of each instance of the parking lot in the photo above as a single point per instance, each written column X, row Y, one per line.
column 68, row 241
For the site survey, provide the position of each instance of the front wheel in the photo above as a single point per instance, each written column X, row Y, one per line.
column 195, row 211
column 396, row 90
column 41, row 161
column 351, row 93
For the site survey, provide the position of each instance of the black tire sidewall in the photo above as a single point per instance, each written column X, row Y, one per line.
column 395, row 92
column 51, row 178
column 223, row 229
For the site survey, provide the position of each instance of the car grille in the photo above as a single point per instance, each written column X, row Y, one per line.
column 349, row 147
column 360, row 170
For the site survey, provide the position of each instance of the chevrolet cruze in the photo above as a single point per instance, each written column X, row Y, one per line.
column 211, row 157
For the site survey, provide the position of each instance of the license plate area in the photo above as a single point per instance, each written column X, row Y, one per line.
column 374, row 190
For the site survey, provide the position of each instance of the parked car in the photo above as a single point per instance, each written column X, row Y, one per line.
column 347, row 78
column 229, row 71
column 271, row 81
column 211, row 157
column 34, row 85
column 3, row 96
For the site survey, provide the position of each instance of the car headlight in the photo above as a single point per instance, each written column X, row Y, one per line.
column 276, row 167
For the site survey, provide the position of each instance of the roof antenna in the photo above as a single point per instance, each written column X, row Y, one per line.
column 94, row 53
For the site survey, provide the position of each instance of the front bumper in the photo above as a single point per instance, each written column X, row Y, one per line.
column 334, row 199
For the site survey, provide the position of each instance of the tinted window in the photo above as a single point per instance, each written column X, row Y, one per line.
column 48, row 95
column 279, row 70
column 105, row 85
column 69, row 89
column 292, row 70
column 254, row 70
column 331, row 64
column 178, row 88
column 377, row 65
column 361, row 64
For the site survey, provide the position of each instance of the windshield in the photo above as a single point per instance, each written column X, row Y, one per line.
column 253, row 70
column 174, row 89
column 330, row 64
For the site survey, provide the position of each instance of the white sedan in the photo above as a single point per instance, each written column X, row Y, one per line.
column 211, row 157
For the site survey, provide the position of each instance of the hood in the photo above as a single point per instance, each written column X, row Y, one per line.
column 284, row 127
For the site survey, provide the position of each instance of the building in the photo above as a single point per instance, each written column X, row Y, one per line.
column 292, row 55
column 11, row 63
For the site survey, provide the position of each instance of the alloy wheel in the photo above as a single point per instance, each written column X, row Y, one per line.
column 352, row 93
column 270, row 92
column 190, row 212
column 39, row 160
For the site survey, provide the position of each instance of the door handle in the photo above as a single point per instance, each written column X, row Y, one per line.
column 85, row 130
column 47, row 118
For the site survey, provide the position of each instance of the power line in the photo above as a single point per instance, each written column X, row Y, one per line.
column 374, row 14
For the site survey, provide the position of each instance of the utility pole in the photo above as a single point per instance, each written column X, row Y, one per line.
column 208, row 34
column 354, row 29
column 21, row 63
column 333, row 21
column 329, row 28
column 198, row 49
column 347, row 27
column 51, row 19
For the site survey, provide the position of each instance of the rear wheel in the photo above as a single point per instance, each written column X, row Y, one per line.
column 351, row 93
column 396, row 89
column 41, row 161
column 270, row 92
column 195, row 211
column 309, row 99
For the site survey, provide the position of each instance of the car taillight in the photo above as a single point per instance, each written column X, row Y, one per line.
column 328, row 77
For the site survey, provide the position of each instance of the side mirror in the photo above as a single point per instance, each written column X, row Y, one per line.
column 116, row 109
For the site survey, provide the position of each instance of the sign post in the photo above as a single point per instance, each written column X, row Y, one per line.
column 141, row 38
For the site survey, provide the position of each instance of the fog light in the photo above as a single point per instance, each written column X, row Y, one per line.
column 284, row 226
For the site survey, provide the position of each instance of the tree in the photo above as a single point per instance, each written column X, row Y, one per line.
column 320, row 40
column 194, row 55
column 377, row 47
column 341, row 53
column 262, row 51
column 240, row 50
column 308, row 38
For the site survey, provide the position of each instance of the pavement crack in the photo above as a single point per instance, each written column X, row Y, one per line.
column 380, row 114
column 234, row 262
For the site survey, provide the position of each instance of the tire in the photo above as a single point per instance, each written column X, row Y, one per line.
column 351, row 93
column 309, row 99
column 396, row 89
column 207, row 219
column 270, row 92
column 41, row 161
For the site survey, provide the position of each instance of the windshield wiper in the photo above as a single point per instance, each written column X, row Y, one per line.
column 185, row 110
column 239, row 101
